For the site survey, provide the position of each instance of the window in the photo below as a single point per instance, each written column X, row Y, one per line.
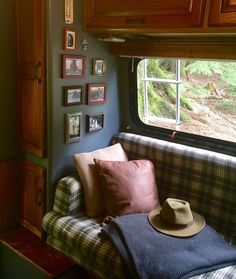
column 194, row 99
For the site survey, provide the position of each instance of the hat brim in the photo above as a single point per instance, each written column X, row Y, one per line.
column 159, row 225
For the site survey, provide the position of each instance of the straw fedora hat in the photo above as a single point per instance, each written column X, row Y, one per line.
column 175, row 218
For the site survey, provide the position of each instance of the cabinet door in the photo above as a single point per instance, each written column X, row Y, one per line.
column 30, row 76
column 139, row 14
column 31, row 179
column 7, row 194
column 222, row 13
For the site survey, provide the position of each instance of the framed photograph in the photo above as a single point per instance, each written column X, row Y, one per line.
column 99, row 67
column 96, row 93
column 73, row 126
column 73, row 95
column 70, row 39
column 94, row 122
column 73, row 66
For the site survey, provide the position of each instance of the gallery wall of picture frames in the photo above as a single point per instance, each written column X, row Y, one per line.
column 73, row 66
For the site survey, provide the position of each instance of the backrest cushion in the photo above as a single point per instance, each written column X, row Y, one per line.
column 85, row 166
column 128, row 187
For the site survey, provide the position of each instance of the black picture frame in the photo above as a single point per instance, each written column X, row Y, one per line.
column 94, row 122
column 73, row 95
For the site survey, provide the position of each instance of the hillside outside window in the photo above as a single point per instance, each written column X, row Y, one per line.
column 190, row 97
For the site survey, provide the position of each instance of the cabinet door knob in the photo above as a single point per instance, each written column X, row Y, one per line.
column 38, row 76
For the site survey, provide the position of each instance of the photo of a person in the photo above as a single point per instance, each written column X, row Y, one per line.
column 99, row 67
column 73, row 123
column 74, row 128
column 70, row 37
column 70, row 40
column 95, row 122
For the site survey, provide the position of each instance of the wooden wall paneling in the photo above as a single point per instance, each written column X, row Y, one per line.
column 222, row 13
column 31, row 99
column 8, row 205
column 188, row 47
column 138, row 15
column 32, row 180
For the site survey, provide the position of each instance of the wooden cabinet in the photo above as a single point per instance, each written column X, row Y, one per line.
column 222, row 13
column 31, row 101
column 140, row 15
column 104, row 17
column 31, row 179
column 8, row 208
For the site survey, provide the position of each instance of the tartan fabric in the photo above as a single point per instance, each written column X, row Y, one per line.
column 79, row 238
column 69, row 196
column 206, row 179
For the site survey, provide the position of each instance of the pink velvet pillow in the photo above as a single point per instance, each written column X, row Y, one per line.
column 128, row 187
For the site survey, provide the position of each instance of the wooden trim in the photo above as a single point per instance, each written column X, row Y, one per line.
column 35, row 251
column 31, row 77
column 188, row 47
column 222, row 13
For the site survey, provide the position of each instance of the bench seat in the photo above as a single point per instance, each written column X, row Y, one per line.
column 206, row 179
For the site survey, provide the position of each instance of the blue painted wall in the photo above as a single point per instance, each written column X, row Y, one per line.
column 60, row 155
column 59, row 160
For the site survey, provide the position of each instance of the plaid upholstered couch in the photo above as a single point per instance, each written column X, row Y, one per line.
column 206, row 179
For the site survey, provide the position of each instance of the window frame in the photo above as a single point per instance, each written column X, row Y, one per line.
column 212, row 144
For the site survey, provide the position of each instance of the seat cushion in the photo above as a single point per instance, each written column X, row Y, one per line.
column 80, row 238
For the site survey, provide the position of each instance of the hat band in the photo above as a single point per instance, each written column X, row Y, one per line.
column 177, row 226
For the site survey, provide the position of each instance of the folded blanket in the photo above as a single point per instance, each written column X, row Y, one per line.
column 149, row 254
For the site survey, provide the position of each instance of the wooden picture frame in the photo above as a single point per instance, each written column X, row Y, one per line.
column 99, row 67
column 94, row 122
column 73, row 66
column 73, row 126
column 96, row 93
column 70, row 39
column 73, row 95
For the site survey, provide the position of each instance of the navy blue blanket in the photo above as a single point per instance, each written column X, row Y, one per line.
column 149, row 254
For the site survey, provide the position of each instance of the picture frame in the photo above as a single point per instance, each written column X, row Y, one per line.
column 70, row 39
column 99, row 67
column 73, row 66
column 73, row 95
column 73, row 126
column 94, row 122
column 96, row 93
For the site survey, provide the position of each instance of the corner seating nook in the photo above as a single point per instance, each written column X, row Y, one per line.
column 206, row 179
